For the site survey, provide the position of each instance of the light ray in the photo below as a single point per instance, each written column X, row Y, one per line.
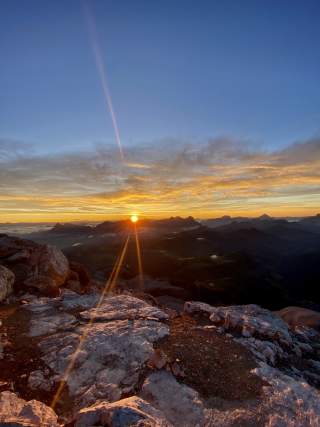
column 112, row 280
column 102, row 73
column 139, row 257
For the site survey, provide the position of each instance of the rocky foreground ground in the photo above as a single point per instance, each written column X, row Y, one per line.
column 128, row 362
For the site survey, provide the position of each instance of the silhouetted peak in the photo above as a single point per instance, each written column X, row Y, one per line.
column 265, row 217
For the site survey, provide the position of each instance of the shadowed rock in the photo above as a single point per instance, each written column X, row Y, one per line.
column 6, row 282
column 42, row 267
column 298, row 316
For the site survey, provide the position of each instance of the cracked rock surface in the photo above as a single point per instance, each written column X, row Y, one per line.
column 115, row 382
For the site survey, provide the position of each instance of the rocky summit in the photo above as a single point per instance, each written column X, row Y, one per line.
column 123, row 359
column 125, row 362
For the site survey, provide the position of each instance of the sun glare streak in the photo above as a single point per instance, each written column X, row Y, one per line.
column 113, row 282
column 108, row 287
column 102, row 73
column 139, row 257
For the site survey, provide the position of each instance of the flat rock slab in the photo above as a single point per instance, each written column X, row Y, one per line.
column 113, row 353
column 44, row 325
column 124, row 307
column 248, row 319
column 68, row 300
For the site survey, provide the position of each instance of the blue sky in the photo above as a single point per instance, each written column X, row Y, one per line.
column 217, row 105
column 184, row 69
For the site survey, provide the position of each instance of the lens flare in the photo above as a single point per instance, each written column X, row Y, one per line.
column 102, row 73
column 139, row 258
column 134, row 218
column 108, row 287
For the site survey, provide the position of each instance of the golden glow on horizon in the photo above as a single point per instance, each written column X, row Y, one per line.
column 53, row 217
column 108, row 191
column 134, row 218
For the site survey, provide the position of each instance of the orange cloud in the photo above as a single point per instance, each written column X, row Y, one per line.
column 219, row 177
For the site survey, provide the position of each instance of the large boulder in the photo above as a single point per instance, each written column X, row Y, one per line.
column 6, row 282
column 42, row 267
column 17, row 412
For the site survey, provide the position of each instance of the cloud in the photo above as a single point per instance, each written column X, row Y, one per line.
column 221, row 175
column 13, row 149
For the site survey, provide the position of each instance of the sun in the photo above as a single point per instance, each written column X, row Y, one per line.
column 134, row 218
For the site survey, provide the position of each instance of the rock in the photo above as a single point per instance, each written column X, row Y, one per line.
column 305, row 348
column 42, row 267
column 72, row 301
column 37, row 381
column 248, row 320
column 6, row 282
column 272, row 343
column 177, row 370
column 284, row 402
column 44, row 325
column 68, row 300
column 113, row 353
column 78, row 279
column 17, row 412
column 288, row 401
column 194, row 307
column 311, row 376
column 124, row 307
column 315, row 364
column 158, row 359
column 179, row 403
column 132, row 411
column 265, row 351
column 298, row 316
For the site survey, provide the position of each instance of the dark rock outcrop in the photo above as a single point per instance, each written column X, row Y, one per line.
column 78, row 279
column 41, row 267
column 298, row 316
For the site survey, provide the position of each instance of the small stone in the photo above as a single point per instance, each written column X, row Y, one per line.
column 177, row 370
column 158, row 359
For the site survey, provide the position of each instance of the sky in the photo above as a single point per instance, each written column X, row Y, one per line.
column 215, row 106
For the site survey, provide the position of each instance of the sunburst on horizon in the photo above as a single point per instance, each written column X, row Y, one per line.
column 134, row 218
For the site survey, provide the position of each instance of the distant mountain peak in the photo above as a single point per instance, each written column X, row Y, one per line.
column 265, row 217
